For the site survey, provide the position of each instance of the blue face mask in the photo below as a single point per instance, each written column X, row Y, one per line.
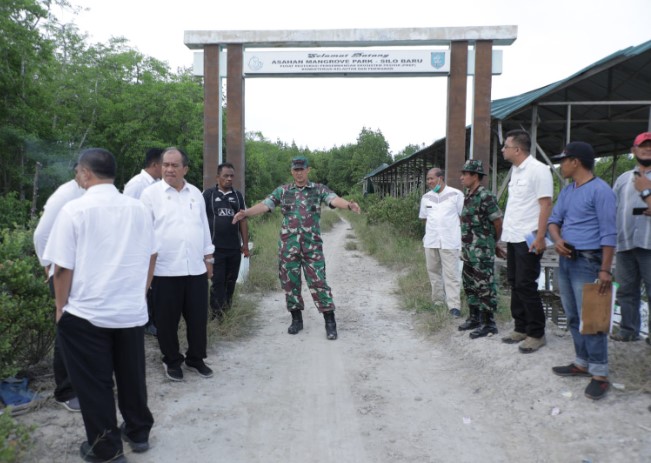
column 437, row 188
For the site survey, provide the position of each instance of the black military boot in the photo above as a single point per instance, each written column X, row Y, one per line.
column 330, row 325
column 486, row 327
column 297, row 322
column 472, row 321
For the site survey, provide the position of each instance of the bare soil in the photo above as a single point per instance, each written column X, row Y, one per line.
column 384, row 392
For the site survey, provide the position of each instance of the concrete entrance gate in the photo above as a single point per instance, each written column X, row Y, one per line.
column 458, row 39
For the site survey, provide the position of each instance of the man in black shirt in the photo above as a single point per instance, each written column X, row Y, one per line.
column 231, row 241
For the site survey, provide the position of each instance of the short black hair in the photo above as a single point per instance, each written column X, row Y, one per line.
column 520, row 138
column 152, row 156
column 228, row 165
column 184, row 157
column 99, row 161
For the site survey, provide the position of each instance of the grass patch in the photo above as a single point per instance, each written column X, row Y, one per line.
column 15, row 438
column 237, row 322
column 329, row 218
column 350, row 246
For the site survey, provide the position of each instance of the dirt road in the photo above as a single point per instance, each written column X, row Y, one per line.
column 383, row 392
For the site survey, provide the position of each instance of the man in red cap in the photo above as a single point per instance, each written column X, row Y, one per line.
column 633, row 258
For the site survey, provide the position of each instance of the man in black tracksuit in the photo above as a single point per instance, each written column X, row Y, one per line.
column 231, row 241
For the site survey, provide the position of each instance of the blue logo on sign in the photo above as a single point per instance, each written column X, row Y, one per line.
column 255, row 64
column 438, row 59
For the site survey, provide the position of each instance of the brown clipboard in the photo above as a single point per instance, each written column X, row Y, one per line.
column 596, row 309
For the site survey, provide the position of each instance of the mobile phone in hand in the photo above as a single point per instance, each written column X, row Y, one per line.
column 639, row 210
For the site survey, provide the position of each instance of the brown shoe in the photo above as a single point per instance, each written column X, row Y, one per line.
column 532, row 344
column 514, row 337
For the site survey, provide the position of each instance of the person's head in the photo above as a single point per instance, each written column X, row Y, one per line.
column 152, row 162
column 225, row 176
column 642, row 149
column 300, row 170
column 435, row 179
column 576, row 158
column 472, row 173
column 517, row 146
column 175, row 167
column 95, row 165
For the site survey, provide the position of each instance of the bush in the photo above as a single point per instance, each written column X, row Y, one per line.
column 26, row 309
column 14, row 212
column 14, row 439
column 401, row 213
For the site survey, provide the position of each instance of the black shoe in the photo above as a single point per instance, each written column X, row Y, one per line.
column 455, row 313
column 86, row 452
column 597, row 389
column 570, row 370
column 330, row 325
column 297, row 322
column 136, row 447
column 624, row 337
column 173, row 373
column 469, row 324
column 151, row 330
column 200, row 368
column 483, row 330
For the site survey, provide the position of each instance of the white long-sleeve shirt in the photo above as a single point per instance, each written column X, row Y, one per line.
column 138, row 183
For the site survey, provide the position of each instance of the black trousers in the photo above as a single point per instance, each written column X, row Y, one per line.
column 224, row 278
column 92, row 355
column 523, row 270
column 63, row 390
column 176, row 296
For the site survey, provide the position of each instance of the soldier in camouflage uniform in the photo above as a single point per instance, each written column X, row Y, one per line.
column 300, row 244
column 481, row 226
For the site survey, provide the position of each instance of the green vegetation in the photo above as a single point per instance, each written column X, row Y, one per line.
column 14, row 439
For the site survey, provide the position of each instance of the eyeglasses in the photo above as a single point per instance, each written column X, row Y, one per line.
column 505, row 147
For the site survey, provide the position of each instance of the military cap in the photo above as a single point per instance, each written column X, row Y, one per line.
column 300, row 162
column 475, row 166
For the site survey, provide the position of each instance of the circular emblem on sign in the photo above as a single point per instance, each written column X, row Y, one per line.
column 255, row 64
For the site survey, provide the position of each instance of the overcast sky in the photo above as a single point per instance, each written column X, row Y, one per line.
column 555, row 39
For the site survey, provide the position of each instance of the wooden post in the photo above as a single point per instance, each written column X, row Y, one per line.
column 235, row 114
column 212, row 130
column 481, row 123
column 455, row 141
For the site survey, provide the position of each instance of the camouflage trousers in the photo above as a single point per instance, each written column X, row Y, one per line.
column 479, row 285
column 313, row 264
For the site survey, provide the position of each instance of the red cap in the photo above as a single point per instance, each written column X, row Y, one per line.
column 641, row 138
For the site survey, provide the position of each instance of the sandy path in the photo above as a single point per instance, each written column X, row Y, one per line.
column 380, row 393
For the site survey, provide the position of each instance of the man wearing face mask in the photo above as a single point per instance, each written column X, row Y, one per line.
column 440, row 208
column 633, row 258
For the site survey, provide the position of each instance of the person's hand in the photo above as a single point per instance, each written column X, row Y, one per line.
column 538, row 246
column 209, row 270
column 605, row 281
column 647, row 212
column 353, row 206
column 500, row 251
column 245, row 250
column 239, row 216
column 560, row 248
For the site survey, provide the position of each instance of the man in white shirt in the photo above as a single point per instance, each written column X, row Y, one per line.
column 529, row 205
column 64, row 393
column 183, row 265
column 149, row 175
column 102, row 245
column 440, row 208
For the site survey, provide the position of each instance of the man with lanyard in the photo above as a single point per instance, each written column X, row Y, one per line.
column 582, row 226
column 633, row 255
column 440, row 208
column 481, row 226
column 301, row 245
column 527, row 209
column 231, row 240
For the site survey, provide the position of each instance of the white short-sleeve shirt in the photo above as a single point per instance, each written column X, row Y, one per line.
column 107, row 240
column 442, row 211
column 138, row 183
column 530, row 181
column 181, row 229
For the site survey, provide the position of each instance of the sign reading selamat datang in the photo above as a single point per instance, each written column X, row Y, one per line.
column 347, row 62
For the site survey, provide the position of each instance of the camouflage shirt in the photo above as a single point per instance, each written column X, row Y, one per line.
column 480, row 209
column 301, row 208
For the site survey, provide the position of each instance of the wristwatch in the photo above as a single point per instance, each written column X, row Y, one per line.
column 644, row 194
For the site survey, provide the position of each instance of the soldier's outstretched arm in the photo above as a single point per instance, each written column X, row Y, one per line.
column 341, row 203
column 258, row 209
